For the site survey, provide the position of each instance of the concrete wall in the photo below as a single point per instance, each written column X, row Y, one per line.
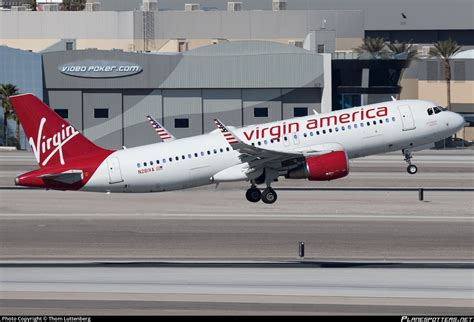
column 125, row 29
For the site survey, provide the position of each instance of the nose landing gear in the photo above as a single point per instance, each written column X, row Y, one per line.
column 411, row 169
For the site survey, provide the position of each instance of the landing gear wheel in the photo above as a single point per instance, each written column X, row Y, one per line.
column 269, row 195
column 253, row 195
column 412, row 169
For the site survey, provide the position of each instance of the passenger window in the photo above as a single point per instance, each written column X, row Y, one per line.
column 183, row 157
column 285, row 138
column 189, row 156
column 361, row 124
column 157, row 161
column 228, row 149
column 330, row 130
column 305, row 135
column 393, row 119
column 324, row 131
column 380, row 121
column 368, row 123
column 177, row 158
column 202, row 153
column 375, row 122
column 221, row 149
column 265, row 142
column 215, row 151
column 387, row 120
column 171, row 159
column 355, row 126
column 349, row 127
column 151, row 162
column 138, row 165
column 195, row 155
column 311, row 133
column 259, row 143
column 337, row 129
column 144, row 164
column 164, row 160
column 343, row 128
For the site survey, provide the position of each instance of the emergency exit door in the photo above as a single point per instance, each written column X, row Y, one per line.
column 115, row 175
column 408, row 121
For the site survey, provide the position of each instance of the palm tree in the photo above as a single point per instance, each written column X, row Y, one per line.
column 73, row 5
column 7, row 90
column 445, row 49
column 403, row 47
column 375, row 47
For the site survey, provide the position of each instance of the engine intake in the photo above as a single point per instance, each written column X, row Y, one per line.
column 330, row 166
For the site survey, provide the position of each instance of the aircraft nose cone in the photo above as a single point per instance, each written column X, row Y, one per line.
column 458, row 121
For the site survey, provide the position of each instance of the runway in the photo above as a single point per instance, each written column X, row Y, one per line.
column 252, row 289
column 373, row 215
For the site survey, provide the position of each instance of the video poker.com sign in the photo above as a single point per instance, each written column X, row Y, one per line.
column 100, row 69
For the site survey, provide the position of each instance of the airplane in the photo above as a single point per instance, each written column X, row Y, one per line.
column 314, row 147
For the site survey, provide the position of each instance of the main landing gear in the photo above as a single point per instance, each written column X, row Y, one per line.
column 268, row 195
column 411, row 169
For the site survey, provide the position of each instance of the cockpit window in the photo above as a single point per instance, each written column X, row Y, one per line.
column 437, row 110
column 430, row 111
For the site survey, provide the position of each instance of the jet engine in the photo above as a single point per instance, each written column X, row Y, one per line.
column 325, row 167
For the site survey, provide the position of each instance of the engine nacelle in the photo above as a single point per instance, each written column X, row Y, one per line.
column 330, row 166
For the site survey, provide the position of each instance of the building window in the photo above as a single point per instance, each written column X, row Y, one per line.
column 300, row 111
column 63, row 112
column 101, row 113
column 320, row 49
column 181, row 123
column 260, row 112
column 182, row 46
column 69, row 45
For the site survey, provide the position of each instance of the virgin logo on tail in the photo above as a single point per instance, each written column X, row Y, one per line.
column 47, row 147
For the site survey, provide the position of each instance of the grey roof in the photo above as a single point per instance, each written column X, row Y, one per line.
column 251, row 47
column 247, row 64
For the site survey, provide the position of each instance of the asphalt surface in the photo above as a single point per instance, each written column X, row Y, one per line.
column 146, row 289
column 372, row 215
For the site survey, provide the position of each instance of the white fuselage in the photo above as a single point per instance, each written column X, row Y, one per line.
column 196, row 160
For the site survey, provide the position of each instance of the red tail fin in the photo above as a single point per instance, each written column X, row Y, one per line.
column 53, row 140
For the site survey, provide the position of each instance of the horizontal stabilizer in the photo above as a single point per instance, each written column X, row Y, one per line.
column 67, row 177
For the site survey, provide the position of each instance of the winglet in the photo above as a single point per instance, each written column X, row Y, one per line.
column 228, row 135
column 162, row 132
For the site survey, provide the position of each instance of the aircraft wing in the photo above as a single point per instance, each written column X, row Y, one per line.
column 68, row 177
column 162, row 132
column 259, row 158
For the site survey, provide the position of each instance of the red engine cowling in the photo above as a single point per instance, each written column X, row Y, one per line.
column 330, row 166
